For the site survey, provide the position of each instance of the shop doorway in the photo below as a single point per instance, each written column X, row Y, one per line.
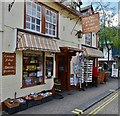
column 63, row 71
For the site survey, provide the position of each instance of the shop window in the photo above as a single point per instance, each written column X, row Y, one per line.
column 88, row 38
column 50, row 22
column 32, row 69
column 49, row 67
column 33, row 16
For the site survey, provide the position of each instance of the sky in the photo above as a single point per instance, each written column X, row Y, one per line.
column 112, row 4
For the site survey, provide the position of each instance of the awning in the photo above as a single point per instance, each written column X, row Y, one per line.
column 28, row 41
column 71, row 49
column 92, row 52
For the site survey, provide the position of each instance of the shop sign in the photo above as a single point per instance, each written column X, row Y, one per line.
column 8, row 63
column 90, row 23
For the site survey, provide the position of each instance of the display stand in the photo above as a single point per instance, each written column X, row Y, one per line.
column 88, row 66
column 80, row 74
column 58, row 88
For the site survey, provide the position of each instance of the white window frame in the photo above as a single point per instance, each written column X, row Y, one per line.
column 88, row 38
column 30, row 15
column 52, row 23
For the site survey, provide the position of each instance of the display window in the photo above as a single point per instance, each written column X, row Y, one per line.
column 49, row 67
column 33, row 73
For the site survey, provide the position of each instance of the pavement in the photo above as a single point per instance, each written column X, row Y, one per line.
column 73, row 99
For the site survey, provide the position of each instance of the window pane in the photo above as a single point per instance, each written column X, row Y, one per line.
column 38, row 14
column 50, row 19
column 47, row 12
column 50, row 26
column 88, row 38
column 53, row 27
column 38, row 21
column 38, row 8
column 28, row 18
column 47, row 31
column 38, row 28
column 33, row 27
column 33, row 13
column 33, row 6
column 54, row 21
column 50, row 31
column 33, row 20
column 27, row 25
column 53, row 32
column 47, row 25
column 47, row 18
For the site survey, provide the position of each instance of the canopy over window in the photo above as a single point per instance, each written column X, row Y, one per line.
column 28, row 41
column 92, row 52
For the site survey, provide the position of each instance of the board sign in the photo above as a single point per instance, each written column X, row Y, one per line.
column 114, row 73
column 8, row 63
column 90, row 23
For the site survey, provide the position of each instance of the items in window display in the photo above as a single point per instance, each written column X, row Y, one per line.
column 32, row 68
column 49, row 67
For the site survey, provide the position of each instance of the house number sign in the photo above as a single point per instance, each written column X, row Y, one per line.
column 8, row 63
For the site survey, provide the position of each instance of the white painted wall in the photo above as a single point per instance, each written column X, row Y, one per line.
column 1, row 34
column 13, row 83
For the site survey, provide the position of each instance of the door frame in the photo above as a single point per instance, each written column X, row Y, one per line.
column 68, row 57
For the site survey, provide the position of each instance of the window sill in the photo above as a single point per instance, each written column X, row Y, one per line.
column 32, row 85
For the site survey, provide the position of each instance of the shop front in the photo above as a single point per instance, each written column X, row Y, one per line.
column 38, row 54
column 63, row 66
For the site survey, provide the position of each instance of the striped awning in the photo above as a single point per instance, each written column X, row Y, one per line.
column 28, row 41
column 92, row 52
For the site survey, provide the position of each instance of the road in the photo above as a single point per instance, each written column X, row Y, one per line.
column 107, row 106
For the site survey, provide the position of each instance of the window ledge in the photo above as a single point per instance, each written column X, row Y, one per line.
column 32, row 85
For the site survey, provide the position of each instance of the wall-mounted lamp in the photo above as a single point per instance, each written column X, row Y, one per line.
column 79, row 34
column 10, row 5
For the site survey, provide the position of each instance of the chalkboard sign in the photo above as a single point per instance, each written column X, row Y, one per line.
column 49, row 67
column 8, row 63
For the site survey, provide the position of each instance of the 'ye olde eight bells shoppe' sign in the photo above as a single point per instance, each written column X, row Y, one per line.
column 91, row 23
column 8, row 63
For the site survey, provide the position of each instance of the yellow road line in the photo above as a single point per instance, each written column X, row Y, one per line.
column 105, row 105
column 80, row 111
column 75, row 112
column 104, row 102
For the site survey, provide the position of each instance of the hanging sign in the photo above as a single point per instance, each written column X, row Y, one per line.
column 8, row 63
column 91, row 23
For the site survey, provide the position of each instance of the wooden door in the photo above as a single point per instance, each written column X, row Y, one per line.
column 62, row 71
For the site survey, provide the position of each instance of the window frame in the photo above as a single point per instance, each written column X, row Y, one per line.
column 36, row 53
column 51, row 23
column 32, row 16
column 86, row 39
column 43, row 15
